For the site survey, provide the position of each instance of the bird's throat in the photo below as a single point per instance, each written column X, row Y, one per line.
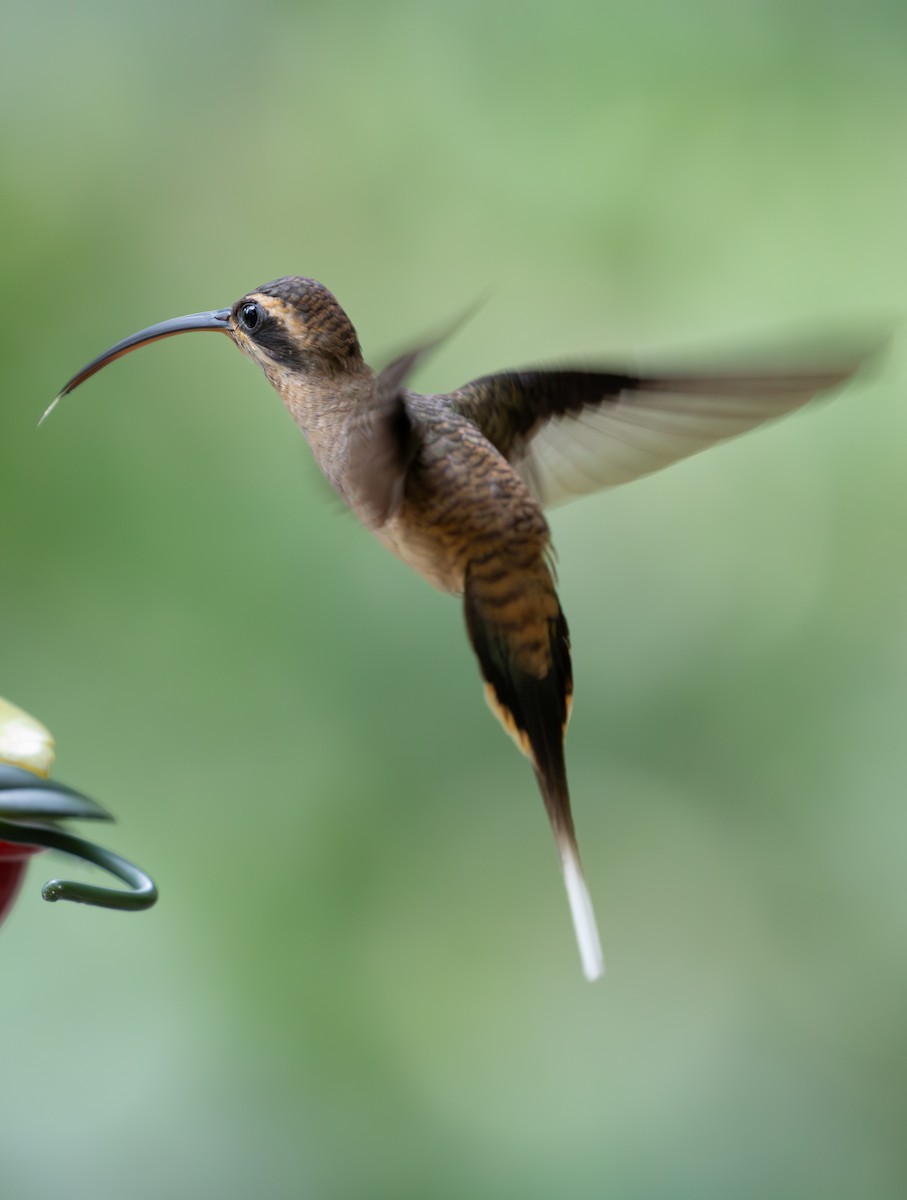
column 325, row 407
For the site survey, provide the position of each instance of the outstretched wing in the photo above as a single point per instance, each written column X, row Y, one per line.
column 569, row 432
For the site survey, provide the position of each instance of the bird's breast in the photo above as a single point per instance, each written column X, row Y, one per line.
column 462, row 503
column 436, row 553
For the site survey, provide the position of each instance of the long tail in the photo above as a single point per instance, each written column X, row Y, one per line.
column 520, row 637
column 584, row 923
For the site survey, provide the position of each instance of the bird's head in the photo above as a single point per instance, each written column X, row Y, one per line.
column 291, row 326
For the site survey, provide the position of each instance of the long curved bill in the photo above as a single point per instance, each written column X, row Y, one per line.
column 216, row 320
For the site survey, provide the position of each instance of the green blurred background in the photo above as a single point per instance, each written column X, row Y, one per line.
column 360, row 980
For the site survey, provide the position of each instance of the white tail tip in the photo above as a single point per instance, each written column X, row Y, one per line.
column 587, row 939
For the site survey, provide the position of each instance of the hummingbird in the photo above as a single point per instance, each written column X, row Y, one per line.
column 456, row 485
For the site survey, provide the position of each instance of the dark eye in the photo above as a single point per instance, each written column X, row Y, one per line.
column 251, row 316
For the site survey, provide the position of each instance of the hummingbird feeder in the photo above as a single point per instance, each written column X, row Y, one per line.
column 32, row 808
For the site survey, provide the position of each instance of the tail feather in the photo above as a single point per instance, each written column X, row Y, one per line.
column 584, row 923
column 521, row 639
column 557, row 803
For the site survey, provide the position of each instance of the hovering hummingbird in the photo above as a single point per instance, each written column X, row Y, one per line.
column 456, row 484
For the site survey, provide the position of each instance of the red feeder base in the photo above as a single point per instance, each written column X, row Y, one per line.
column 13, row 861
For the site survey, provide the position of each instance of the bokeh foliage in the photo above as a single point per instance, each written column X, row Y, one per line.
column 360, row 980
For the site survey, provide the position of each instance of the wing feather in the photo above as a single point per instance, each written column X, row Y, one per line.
column 571, row 432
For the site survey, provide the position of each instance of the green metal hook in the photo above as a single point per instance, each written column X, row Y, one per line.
column 142, row 893
column 26, row 798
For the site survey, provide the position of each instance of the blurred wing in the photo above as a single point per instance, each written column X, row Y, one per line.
column 384, row 441
column 382, row 445
column 572, row 432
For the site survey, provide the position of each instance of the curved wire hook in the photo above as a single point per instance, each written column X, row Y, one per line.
column 142, row 893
